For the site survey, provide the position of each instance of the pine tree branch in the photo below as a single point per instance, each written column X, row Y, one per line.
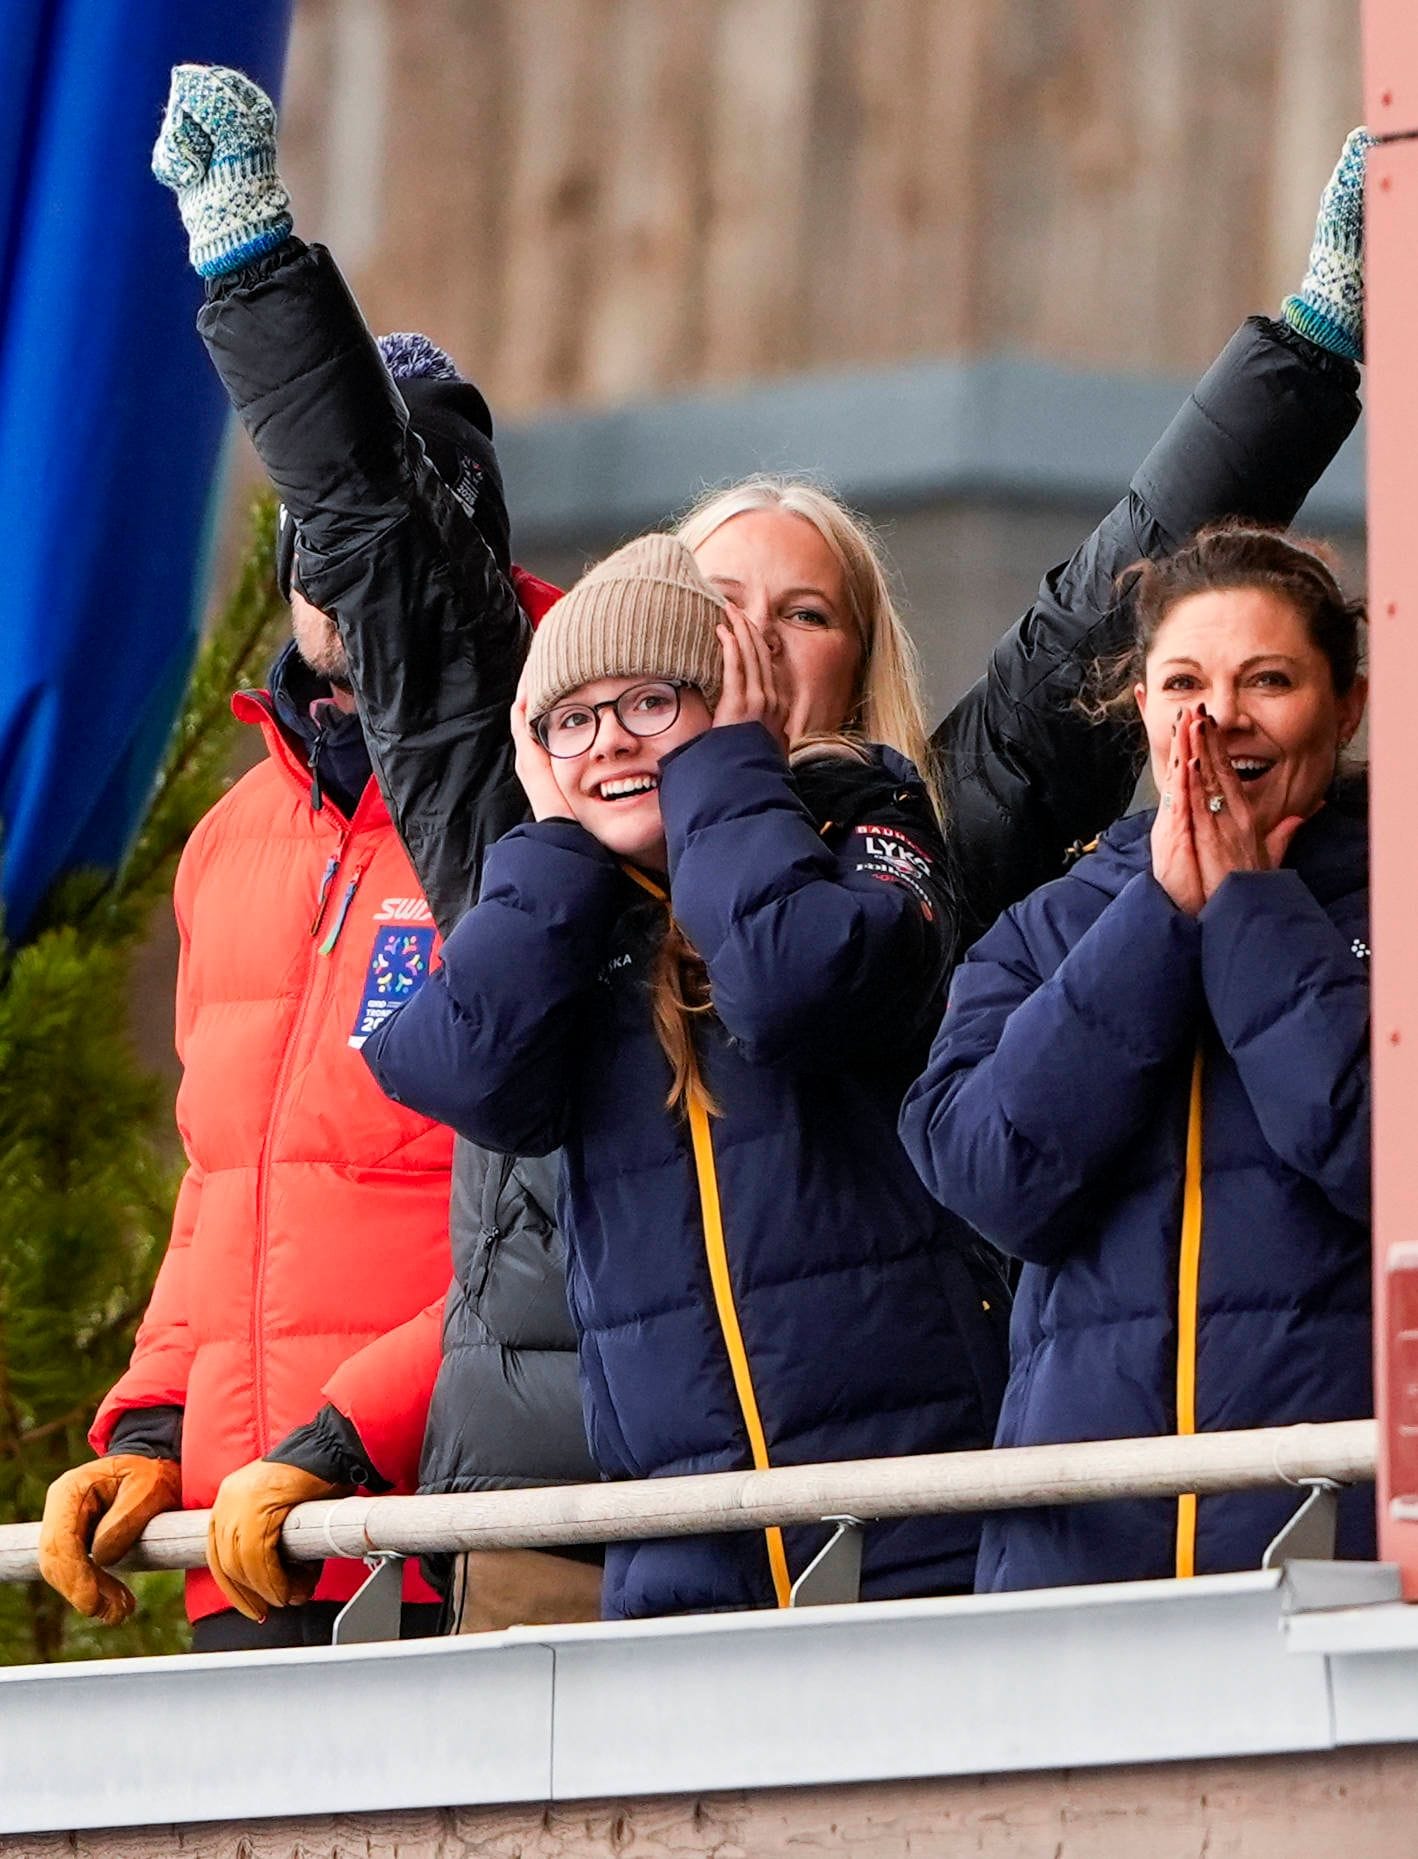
column 115, row 1325
column 192, row 773
column 32, row 1435
column 201, row 723
column 86, row 1184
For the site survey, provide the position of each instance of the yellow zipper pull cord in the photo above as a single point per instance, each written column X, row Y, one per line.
column 1188, row 1294
column 637, row 876
column 712, row 1219
column 728, row 1315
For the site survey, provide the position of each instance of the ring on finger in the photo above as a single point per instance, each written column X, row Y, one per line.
column 1167, row 800
column 1216, row 804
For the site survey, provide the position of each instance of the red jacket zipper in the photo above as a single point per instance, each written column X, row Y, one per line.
column 263, row 1184
column 328, row 945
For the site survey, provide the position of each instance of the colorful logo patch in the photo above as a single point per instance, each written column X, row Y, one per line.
column 398, row 967
column 887, row 853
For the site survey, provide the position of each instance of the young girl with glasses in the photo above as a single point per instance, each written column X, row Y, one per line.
column 709, row 976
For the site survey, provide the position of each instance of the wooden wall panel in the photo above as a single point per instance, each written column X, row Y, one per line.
column 760, row 86
column 1356, row 1802
column 593, row 201
column 643, row 311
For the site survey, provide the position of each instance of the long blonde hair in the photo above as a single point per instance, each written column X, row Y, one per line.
column 888, row 708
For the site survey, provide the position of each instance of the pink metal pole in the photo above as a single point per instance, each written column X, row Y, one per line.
column 1391, row 247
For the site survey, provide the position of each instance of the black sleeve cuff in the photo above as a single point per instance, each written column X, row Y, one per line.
column 257, row 271
column 150, row 1432
column 1323, row 360
column 328, row 1447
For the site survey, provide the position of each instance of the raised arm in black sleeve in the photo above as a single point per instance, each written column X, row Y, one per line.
column 1026, row 773
column 432, row 627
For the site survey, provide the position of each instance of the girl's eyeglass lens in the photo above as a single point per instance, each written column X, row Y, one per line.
column 644, row 710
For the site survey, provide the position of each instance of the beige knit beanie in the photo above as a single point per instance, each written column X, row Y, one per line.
column 644, row 612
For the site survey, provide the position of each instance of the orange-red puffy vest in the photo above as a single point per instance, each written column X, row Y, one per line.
column 314, row 1213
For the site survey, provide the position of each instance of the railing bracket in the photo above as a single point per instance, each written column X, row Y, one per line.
column 835, row 1573
column 374, row 1610
column 1327, row 1587
column 1309, row 1535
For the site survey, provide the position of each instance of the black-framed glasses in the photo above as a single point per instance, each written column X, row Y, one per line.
column 646, row 709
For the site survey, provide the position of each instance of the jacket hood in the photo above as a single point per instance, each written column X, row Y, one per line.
column 829, row 780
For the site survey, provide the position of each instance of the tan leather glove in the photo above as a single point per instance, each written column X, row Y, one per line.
column 121, row 1495
column 244, row 1536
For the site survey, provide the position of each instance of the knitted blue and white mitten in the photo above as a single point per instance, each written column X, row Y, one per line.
column 1328, row 308
column 217, row 152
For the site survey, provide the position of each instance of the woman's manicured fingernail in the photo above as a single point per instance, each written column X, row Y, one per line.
column 1201, row 712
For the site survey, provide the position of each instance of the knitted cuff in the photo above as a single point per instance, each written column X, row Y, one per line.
column 239, row 213
column 151, row 1432
column 1341, row 334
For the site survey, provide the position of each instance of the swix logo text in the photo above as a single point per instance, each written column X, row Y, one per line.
column 403, row 910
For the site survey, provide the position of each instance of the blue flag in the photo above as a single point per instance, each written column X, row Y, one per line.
column 111, row 420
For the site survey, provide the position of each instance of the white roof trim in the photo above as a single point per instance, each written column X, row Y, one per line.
column 1140, row 1672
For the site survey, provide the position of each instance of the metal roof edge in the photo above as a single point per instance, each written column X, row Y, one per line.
column 1141, row 1672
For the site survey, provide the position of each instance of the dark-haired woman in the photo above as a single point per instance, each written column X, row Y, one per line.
column 1152, row 1083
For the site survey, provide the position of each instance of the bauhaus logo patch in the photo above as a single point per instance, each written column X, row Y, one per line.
column 398, row 967
column 886, row 852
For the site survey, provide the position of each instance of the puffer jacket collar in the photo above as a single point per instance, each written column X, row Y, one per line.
column 282, row 713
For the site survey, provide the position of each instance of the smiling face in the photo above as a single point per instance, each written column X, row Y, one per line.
column 777, row 568
column 1246, row 653
column 612, row 788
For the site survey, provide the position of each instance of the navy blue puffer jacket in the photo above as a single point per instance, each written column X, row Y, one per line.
column 1054, row 1115
column 841, row 1315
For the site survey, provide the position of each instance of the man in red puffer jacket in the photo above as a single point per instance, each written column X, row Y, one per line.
column 313, row 1218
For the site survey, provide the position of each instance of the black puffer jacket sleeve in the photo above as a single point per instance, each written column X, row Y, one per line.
column 433, row 630
column 1026, row 774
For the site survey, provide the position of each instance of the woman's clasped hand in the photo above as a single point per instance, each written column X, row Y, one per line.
column 1206, row 827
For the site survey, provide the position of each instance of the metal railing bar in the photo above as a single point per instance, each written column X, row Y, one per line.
column 1086, row 1472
